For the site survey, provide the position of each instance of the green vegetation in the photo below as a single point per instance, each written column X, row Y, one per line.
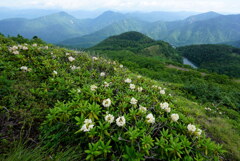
column 221, row 59
column 61, row 104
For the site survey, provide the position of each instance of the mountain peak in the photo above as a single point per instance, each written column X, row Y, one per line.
column 203, row 16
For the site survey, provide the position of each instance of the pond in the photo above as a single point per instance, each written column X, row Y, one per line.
column 188, row 62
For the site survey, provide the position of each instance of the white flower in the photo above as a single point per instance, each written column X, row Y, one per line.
column 162, row 91
column 70, row 58
column 167, row 109
column 121, row 66
column 140, row 89
column 142, row 109
column 114, row 63
column 106, row 84
column 154, row 86
column 106, row 102
column 55, row 72
column 150, row 118
column 132, row 86
column 94, row 58
column 93, row 87
column 127, row 80
column 67, row 54
column 87, row 126
column 102, row 74
column 87, row 121
column 160, row 88
column 139, row 76
column 34, row 45
column 13, row 48
column 78, row 90
column 120, row 121
column 73, row 67
column 15, row 52
column 109, row 118
column 24, row 68
column 198, row 132
column 25, row 48
column 191, row 128
column 174, row 117
column 46, row 47
column 133, row 101
column 164, row 105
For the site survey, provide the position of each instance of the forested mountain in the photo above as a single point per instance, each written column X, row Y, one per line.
column 233, row 43
column 114, row 29
column 221, row 59
column 139, row 44
column 201, row 29
column 67, row 30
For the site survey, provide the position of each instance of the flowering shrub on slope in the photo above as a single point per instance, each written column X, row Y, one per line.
column 108, row 112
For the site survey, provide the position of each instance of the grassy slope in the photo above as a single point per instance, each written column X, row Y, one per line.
column 26, row 98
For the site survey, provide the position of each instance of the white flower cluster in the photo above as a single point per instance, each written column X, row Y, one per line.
column 55, row 72
column 34, row 45
column 102, row 74
column 150, row 118
column 165, row 106
column 73, row 67
column 121, row 66
column 109, row 118
column 174, row 117
column 133, row 101
column 162, row 91
column 142, row 109
column 139, row 89
column 127, row 80
column 106, row 84
column 87, row 126
column 94, row 58
column 25, row 69
column 208, row 109
column 93, row 87
column 107, row 102
column 193, row 130
column 14, row 49
column 132, row 86
column 70, row 58
column 121, row 121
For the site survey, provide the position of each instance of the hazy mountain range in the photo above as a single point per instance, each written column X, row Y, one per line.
column 177, row 28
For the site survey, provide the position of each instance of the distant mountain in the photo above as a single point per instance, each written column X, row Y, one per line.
column 160, row 16
column 233, row 43
column 113, row 29
column 202, row 17
column 210, row 31
column 200, row 29
column 67, row 30
column 221, row 59
column 50, row 28
column 58, row 26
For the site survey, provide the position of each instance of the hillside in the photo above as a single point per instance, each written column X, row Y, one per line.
column 67, row 105
column 221, row 59
column 138, row 43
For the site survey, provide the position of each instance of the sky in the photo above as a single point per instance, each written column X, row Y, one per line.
column 227, row 6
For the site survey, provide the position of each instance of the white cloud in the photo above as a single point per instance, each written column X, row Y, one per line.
column 146, row 5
